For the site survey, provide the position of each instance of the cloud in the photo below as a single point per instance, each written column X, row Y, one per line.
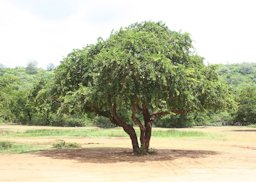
column 47, row 9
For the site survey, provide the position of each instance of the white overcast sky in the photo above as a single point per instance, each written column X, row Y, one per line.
column 223, row 31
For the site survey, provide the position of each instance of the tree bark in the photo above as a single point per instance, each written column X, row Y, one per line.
column 148, row 136
column 131, row 132
column 127, row 128
column 148, row 127
column 139, row 123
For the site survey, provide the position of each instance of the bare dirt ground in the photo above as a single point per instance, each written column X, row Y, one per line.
column 229, row 158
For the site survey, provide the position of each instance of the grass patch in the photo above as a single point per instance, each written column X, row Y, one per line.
column 116, row 132
column 252, row 126
column 179, row 134
column 11, row 147
column 68, row 133
column 5, row 145
column 61, row 144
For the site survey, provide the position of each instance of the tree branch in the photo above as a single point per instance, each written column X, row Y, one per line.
column 158, row 114
column 134, row 111
column 179, row 111
column 163, row 113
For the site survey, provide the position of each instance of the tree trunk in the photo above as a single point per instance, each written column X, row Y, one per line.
column 131, row 132
column 127, row 128
column 148, row 127
column 148, row 135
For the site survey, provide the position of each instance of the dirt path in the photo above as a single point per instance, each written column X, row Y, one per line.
column 229, row 159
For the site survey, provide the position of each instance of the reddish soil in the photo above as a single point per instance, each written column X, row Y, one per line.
column 229, row 158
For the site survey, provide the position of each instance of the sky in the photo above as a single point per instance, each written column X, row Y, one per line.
column 45, row 31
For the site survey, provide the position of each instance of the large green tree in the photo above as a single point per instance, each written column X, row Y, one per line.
column 138, row 74
column 246, row 113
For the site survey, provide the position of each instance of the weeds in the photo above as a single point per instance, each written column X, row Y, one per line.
column 4, row 145
column 61, row 144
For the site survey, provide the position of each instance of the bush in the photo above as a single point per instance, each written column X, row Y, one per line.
column 173, row 121
column 61, row 144
column 64, row 121
column 194, row 119
column 246, row 113
column 72, row 121
column 5, row 145
column 103, row 122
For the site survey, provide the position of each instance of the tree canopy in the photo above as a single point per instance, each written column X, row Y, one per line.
column 138, row 74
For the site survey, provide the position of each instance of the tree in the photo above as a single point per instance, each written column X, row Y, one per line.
column 8, row 86
column 16, row 104
column 50, row 67
column 246, row 113
column 31, row 67
column 1, row 70
column 138, row 74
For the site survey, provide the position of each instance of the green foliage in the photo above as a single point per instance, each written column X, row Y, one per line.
column 31, row 67
column 103, row 122
column 195, row 119
column 61, row 144
column 246, row 113
column 238, row 75
column 15, row 84
column 4, row 145
column 50, row 67
column 242, row 79
column 173, row 121
column 145, row 61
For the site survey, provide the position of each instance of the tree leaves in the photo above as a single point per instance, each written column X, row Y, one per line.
column 147, row 61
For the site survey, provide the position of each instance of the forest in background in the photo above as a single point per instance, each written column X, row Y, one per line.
column 22, row 100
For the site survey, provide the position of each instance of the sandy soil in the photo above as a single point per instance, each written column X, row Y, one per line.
column 230, row 158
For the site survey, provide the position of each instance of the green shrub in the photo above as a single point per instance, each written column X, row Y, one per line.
column 61, row 144
column 173, row 121
column 4, row 145
column 195, row 119
column 103, row 122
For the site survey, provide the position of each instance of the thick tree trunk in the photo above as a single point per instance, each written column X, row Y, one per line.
column 132, row 134
column 115, row 119
column 148, row 127
column 148, row 136
column 127, row 128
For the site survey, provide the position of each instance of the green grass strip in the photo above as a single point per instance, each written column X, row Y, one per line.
column 11, row 147
column 116, row 132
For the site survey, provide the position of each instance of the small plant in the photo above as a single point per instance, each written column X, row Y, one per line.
column 61, row 144
column 152, row 151
column 5, row 145
column 73, row 145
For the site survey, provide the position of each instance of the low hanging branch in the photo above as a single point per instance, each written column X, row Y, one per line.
column 158, row 114
column 134, row 111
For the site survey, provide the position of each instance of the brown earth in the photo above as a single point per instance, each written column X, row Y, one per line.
column 228, row 158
